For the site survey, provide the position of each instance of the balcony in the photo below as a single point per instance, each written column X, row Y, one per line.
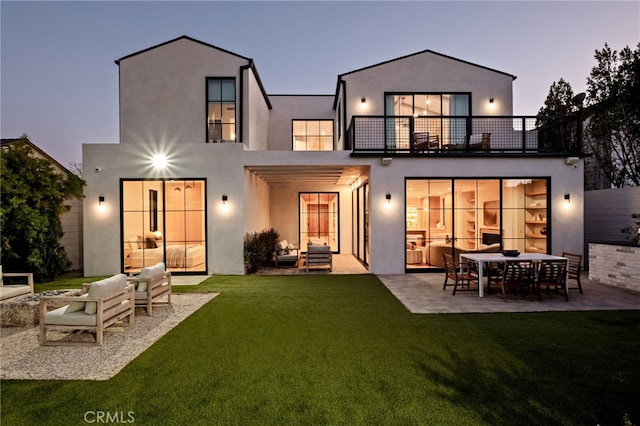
column 472, row 135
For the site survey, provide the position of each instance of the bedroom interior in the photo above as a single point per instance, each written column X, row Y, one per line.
column 164, row 221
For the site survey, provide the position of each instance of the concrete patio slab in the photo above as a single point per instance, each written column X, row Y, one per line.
column 423, row 294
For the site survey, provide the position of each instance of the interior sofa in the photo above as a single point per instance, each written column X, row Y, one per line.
column 438, row 248
column 104, row 303
column 8, row 291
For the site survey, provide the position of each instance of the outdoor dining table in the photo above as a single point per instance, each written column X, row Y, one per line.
column 482, row 258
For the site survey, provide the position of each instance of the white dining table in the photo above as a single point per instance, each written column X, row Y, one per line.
column 482, row 258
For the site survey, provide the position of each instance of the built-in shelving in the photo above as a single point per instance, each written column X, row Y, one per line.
column 535, row 221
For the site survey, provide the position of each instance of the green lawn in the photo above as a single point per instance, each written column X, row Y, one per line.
column 342, row 350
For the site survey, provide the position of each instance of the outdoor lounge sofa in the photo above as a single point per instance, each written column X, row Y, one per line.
column 152, row 285
column 319, row 256
column 286, row 253
column 8, row 291
column 104, row 303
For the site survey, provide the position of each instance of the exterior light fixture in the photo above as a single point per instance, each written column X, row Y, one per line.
column 567, row 200
column 101, row 205
column 363, row 103
column 388, row 198
column 159, row 161
column 225, row 206
column 491, row 103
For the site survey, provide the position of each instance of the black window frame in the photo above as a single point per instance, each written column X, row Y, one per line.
column 222, row 101
column 306, row 120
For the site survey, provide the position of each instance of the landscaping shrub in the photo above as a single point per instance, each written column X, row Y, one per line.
column 258, row 249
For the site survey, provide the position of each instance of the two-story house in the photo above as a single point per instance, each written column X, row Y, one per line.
column 408, row 159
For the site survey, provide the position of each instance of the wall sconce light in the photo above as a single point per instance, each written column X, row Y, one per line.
column 491, row 103
column 388, row 198
column 567, row 200
column 225, row 206
column 101, row 205
column 159, row 161
column 363, row 103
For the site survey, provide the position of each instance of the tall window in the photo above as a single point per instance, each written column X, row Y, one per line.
column 221, row 110
column 443, row 116
column 319, row 219
column 312, row 135
column 164, row 221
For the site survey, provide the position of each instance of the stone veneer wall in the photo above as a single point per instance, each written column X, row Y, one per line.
column 615, row 265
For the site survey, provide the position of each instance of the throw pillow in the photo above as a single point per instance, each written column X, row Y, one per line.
column 151, row 243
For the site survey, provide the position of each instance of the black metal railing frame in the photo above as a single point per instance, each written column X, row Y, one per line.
column 451, row 134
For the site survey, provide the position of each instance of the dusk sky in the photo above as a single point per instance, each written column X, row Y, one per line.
column 59, row 82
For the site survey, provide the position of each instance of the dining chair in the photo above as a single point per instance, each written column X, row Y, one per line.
column 574, row 268
column 517, row 275
column 462, row 274
column 552, row 274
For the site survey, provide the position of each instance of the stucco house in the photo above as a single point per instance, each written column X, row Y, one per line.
column 407, row 159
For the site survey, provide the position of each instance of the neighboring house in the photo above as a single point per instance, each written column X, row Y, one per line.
column 72, row 218
column 408, row 159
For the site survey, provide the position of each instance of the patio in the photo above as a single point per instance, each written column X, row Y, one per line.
column 423, row 294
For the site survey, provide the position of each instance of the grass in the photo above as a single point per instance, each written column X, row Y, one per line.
column 342, row 350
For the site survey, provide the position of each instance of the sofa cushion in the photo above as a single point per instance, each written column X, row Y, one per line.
column 103, row 288
column 61, row 317
column 8, row 291
column 76, row 306
column 316, row 242
column 282, row 245
column 152, row 271
column 318, row 249
column 140, row 295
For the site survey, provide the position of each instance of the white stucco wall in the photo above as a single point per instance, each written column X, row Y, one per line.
column 256, row 203
column 256, row 120
column 220, row 164
column 163, row 91
column 287, row 108
column 422, row 73
column 388, row 225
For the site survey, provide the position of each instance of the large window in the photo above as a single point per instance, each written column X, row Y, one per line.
column 312, row 135
column 485, row 215
column 319, row 219
column 221, row 110
column 164, row 221
column 441, row 116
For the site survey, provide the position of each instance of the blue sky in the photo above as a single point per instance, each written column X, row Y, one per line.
column 59, row 82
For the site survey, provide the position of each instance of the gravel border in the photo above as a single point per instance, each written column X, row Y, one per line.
column 22, row 357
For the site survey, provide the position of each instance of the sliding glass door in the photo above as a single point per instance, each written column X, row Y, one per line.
column 361, row 223
column 474, row 215
column 442, row 116
column 164, row 221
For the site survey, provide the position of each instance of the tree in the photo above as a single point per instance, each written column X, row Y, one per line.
column 556, row 120
column 33, row 196
column 613, row 129
column 559, row 100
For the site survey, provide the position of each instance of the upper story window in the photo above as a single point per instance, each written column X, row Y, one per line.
column 428, row 104
column 312, row 135
column 221, row 109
